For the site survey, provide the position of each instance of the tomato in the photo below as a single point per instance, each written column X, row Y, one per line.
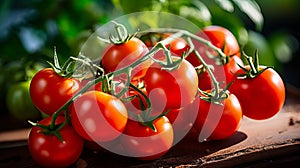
column 223, row 74
column 220, row 36
column 177, row 47
column 143, row 143
column 19, row 103
column 216, row 121
column 98, row 116
column 49, row 151
column 49, row 91
column 171, row 89
column 261, row 97
column 118, row 56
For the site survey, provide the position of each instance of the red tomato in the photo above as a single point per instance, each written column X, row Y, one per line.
column 219, row 37
column 177, row 47
column 98, row 116
column 118, row 56
column 49, row 91
column 171, row 89
column 49, row 151
column 261, row 97
column 216, row 121
column 223, row 74
column 143, row 143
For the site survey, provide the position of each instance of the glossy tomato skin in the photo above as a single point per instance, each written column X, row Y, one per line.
column 177, row 47
column 49, row 91
column 143, row 143
column 49, row 151
column 261, row 97
column 98, row 116
column 118, row 56
column 217, row 122
column 220, row 36
column 171, row 89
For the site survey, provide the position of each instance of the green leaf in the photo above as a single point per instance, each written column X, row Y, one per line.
column 203, row 10
column 252, row 9
column 226, row 5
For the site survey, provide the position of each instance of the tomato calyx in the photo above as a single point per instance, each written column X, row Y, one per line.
column 254, row 67
column 122, row 35
column 169, row 63
column 215, row 97
column 50, row 129
column 82, row 65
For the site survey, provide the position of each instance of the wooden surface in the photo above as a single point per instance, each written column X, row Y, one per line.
column 270, row 143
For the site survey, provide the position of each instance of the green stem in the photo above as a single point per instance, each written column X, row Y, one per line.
column 188, row 34
column 213, row 78
column 251, row 64
column 76, row 95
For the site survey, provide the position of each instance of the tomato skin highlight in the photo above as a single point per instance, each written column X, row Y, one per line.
column 219, row 122
column 49, row 151
column 143, row 143
column 49, row 91
column 98, row 116
column 261, row 97
column 118, row 56
column 171, row 89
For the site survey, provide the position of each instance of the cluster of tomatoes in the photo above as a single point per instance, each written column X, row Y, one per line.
column 168, row 93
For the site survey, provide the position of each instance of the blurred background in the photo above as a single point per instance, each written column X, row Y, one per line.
column 30, row 29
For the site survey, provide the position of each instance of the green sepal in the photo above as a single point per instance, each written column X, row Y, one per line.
column 254, row 69
column 48, row 130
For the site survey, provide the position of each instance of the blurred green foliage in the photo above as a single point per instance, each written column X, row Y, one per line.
column 30, row 29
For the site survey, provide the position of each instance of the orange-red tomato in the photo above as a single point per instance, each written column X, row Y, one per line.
column 117, row 56
column 261, row 97
column 49, row 91
column 216, row 121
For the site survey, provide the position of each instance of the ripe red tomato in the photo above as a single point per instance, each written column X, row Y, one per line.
column 216, row 121
column 220, row 36
column 49, row 151
column 171, row 89
column 143, row 143
column 177, row 47
column 98, row 116
column 49, row 91
column 261, row 97
column 117, row 56
column 223, row 74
